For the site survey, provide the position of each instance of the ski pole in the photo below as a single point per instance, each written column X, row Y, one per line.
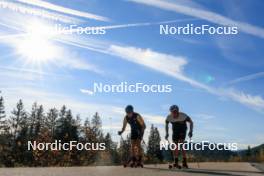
column 195, row 158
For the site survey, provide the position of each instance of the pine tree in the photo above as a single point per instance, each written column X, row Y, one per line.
column 36, row 120
column 154, row 153
column 50, row 122
column 3, row 121
column 87, row 157
column 97, row 125
column 32, row 119
column 19, row 126
column 18, row 120
column 39, row 120
column 124, row 149
column 66, row 128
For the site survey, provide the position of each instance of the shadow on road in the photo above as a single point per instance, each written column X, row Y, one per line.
column 208, row 171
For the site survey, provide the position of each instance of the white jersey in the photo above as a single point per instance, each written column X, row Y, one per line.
column 179, row 124
column 182, row 117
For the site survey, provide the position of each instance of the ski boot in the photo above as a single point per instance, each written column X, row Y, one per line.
column 175, row 165
column 139, row 162
column 184, row 163
column 130, row 162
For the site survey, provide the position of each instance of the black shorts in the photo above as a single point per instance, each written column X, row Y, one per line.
column 176, row 137
column 136, row 135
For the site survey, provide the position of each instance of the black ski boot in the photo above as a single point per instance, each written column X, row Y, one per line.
column 184, row 163
column 130, row 163
column 133, row 162
column 139, row 162
column 175, row 165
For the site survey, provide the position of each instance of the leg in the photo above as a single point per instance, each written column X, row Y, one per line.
column 133, row 148
column 139, row 149
column 133, row 151
column 184, row 157
column 176, row 153
column 139, row 153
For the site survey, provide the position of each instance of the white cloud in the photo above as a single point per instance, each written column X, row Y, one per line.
column 161, row 62
column 247, row 78
column 204, row 14
column 174, row 66
column 256, row 102
column 204, row 116
column 61, row 9
column 144, row 24
column 86, row 91
column 75, row 63
column 154, row 119
column 23, row 9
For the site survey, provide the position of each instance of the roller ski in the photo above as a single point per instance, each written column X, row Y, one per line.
column 175, row 166
column 130, row 163
column 139, row 163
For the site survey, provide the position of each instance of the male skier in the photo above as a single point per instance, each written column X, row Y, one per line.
column 137, row 126
column 179, row 128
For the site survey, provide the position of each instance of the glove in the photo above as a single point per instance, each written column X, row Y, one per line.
column 166, row 137
column 190, row 134
column 120, row 133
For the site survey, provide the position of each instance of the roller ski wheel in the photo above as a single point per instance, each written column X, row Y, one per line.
column 132, row 165
column 185, row 166
column 129, row 163
column 140, row 165
column 172, row 166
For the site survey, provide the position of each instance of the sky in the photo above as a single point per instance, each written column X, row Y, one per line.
column 216, row 79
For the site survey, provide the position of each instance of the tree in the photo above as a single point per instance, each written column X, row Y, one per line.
column 124, row 149
column 66, row 129
column 18, row 120
column 39, row 120
column 5, row 138
column 19, row 127
column 154, row 153
column 50, row 122
column 97, row 125
column 36, row 120
column 3, row 121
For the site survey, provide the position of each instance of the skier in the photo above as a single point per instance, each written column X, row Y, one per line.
column 137, row 126
column 179, row 128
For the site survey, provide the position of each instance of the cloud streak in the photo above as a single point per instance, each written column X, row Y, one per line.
column 61, row 9
column 205, row 15
column 23, row 9
column 247, row 78
column 174, row 66
column 86, row 91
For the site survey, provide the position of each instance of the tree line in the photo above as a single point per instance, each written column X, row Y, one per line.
column 43, row 126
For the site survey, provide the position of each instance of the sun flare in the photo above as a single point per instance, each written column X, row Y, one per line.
column 36, row 46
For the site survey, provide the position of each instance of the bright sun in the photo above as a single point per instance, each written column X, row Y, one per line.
column 36, row 46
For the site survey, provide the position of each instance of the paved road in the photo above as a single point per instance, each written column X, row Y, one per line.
column 203, row 169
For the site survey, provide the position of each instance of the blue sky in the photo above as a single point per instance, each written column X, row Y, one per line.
column 216, row 79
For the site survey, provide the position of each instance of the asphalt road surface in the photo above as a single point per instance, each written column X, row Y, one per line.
column 203, row 169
